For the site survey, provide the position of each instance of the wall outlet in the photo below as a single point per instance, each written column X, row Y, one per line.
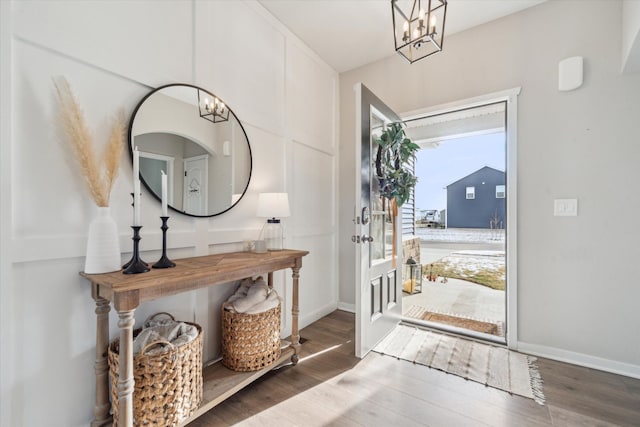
column 565, row 207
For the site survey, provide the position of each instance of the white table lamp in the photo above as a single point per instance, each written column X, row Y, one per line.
column 273, row 206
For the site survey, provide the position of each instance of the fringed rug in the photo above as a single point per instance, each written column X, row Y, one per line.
column 490, row 365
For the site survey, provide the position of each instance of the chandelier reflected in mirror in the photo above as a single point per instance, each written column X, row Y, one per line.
column 418, row 27
column 212, row 109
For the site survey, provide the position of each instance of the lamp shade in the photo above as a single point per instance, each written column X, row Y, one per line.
column 273, row 205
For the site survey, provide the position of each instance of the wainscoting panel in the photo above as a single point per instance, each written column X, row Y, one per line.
column 150, row 42
column 248, row 73
column 112, row 54
column 318, row 283
column 311, row 90
column 313, row 191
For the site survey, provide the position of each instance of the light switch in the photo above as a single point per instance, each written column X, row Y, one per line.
column 565, row 207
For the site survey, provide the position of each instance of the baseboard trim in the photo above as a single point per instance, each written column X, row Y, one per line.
column 309, row 318
column 351, row 308
column 580, row 359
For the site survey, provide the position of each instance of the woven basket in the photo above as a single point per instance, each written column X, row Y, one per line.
column 168, row 385
column 250, row 342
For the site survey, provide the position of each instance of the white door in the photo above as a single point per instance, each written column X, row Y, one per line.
column 378, row 275
column 195, row 185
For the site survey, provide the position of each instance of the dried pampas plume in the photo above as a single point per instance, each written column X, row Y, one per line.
column 98, row 174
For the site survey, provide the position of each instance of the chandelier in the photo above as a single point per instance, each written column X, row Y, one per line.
column 213, row 109
column 418, row 27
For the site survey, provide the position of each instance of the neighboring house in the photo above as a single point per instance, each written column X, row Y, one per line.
column 477, row 200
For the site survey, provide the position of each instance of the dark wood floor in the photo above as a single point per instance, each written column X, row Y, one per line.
column 331, row 387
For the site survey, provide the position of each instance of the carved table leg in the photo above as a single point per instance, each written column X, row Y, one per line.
column 101, row 366
column 295, row 310
column 125, row 365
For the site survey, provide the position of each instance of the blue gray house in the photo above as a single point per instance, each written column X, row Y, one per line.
column 477, row 200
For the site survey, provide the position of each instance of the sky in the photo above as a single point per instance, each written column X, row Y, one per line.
column 452, row 160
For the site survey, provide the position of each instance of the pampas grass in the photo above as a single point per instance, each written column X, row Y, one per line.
column 99, row 174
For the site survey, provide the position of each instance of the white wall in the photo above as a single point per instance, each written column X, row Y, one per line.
column 577, row 291
column 113, row 53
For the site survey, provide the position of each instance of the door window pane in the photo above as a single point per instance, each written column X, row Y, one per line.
column 380, row 229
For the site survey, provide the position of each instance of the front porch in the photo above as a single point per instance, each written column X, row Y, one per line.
column 458, row 301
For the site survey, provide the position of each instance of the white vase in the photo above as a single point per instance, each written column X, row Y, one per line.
column 103, row 244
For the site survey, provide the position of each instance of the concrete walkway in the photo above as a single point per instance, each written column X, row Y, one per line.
column 460, row 298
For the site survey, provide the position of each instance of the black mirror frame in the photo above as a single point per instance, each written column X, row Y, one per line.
column 130, row 137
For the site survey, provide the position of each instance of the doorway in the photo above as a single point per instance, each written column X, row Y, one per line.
column 195, row 191
column 463, row 218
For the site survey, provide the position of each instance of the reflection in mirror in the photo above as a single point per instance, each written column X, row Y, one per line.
column 207, row 162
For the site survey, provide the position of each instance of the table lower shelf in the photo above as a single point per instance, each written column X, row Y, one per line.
column 219, row 382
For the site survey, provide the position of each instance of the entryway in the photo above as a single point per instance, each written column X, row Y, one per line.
column 379, row 278
column 460, row 224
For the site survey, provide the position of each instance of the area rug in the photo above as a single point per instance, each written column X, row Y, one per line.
column 493, row 366
column 421, row 313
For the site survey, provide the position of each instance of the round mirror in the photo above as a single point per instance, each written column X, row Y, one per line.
column 192, row 136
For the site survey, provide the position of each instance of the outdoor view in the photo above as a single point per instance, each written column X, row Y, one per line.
column 460, row 235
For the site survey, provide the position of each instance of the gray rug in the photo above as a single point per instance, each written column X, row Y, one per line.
column 493, row 366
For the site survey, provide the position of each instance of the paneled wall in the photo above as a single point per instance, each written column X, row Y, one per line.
column 113, row 53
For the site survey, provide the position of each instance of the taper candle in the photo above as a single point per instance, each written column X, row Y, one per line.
column 136, row 187
column 164, row 193
column 136, row 203
column 136, row 163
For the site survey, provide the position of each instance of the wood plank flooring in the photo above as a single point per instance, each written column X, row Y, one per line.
column 331, row 387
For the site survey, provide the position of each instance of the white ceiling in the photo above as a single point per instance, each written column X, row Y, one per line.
column 350, row 33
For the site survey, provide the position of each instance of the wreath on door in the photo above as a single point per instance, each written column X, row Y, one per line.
column 394, row 172
column 393, row 164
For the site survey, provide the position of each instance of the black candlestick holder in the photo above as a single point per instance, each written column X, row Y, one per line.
column 136, row 265
column 125, row 266
column 164, row 262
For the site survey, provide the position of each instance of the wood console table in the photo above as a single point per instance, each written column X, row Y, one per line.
column 126, row 292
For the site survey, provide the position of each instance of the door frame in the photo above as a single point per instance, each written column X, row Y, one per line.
column 170, row 170
column 510, row 96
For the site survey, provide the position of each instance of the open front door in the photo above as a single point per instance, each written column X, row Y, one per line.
column 378, row 275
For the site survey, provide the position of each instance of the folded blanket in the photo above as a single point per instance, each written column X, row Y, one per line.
column 242, row 290
column 272, row 301
column 253, row 296
column 256, row 294
column 177, row 333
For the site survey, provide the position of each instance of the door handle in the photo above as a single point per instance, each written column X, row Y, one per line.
column 365, row 216
column 366, row 238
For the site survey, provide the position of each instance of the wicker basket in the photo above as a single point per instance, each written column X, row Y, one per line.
column 250, row 342
column 168, row 385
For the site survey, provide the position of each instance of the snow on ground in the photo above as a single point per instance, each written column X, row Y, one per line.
column 474, row 264
column 480, row 253
column 476, row 235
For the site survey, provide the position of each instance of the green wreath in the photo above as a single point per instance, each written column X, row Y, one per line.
column 393, row 169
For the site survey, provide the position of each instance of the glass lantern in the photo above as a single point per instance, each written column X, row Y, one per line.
column 412, row 277
column 272, row 234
